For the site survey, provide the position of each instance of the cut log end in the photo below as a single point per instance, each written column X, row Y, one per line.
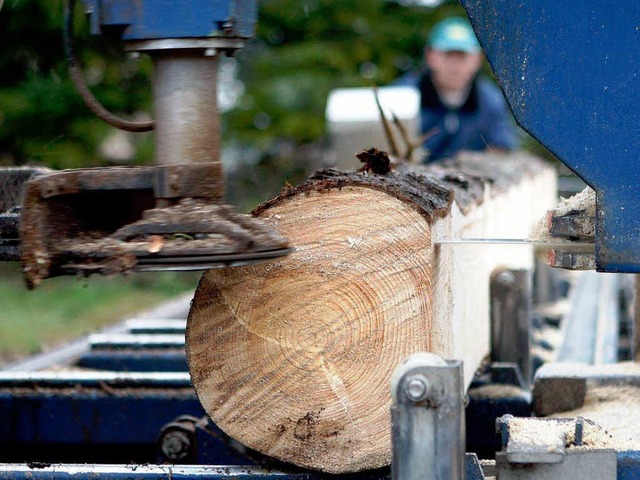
column 294, row 358
column 310, row 342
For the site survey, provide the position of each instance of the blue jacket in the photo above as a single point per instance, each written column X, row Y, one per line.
column 483, row 121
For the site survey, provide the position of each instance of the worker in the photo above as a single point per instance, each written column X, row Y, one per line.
column 459, row 110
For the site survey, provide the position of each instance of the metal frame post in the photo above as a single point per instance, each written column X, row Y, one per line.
column 427, row 419
column 511, row 319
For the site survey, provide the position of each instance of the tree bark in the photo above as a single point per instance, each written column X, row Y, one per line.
column 294, row 358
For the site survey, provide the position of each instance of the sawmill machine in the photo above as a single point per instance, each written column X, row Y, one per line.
column 570, row 74
column 163, row 217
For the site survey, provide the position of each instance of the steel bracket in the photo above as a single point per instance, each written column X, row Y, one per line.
column 545, row 449
column 427, row 419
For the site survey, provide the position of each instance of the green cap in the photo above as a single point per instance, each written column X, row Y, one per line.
column 454, row 34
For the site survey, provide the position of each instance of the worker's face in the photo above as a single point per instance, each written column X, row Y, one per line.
column 453, row 71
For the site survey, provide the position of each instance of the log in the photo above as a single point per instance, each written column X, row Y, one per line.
column 294, row 358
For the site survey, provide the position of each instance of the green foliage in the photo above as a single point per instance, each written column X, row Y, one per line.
column 65, row 308
column 42, row 118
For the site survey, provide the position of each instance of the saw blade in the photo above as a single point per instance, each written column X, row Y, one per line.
column 538, row 244
column 206, row 262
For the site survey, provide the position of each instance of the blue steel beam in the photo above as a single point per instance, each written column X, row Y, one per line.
column 142, row 472
column 570, row 73
column 99, row 408
column 189, row 472
column 628, row 465
column 90, row 418
column 168, row 360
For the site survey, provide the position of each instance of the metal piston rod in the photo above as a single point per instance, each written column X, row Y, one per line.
column 187, row 124
column 186, row 112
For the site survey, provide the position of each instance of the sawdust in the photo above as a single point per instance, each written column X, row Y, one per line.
column 583, row 203
column 537, row 432
column 616, row 408
column 593, row 437
column 142, row 246
column 540, row 231
column 192, row 220
column 556, row 436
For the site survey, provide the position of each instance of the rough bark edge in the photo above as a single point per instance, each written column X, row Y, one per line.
column 430, row 189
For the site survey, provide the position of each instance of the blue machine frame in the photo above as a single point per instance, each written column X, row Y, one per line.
column 158, row 19
column 570, row 73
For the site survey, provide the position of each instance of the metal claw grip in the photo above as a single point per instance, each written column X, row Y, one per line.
column 427, row 419
column 113, row 220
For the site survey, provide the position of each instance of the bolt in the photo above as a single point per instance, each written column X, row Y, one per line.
column 416, row 388
column 175, row 445
column 227, row 26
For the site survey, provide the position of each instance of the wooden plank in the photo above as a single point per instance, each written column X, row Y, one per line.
column 294, row 358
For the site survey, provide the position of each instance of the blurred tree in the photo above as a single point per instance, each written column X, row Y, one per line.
column 302, row 50
column 305, row 48
column 42, row 118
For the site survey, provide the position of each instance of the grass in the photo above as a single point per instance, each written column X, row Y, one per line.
column 64, row 308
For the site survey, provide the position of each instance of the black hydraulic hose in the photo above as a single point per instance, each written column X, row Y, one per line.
column 75, row 73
